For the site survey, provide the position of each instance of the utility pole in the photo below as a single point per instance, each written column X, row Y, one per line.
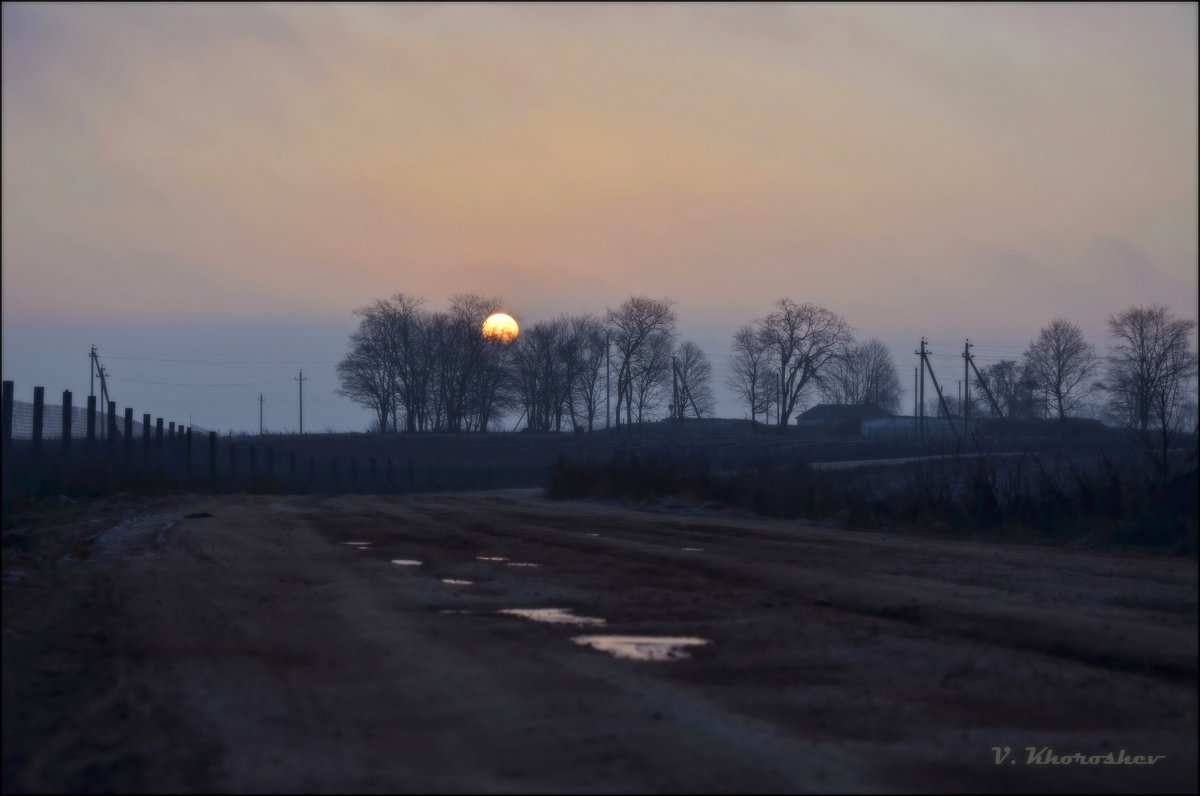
column 99, row 370
column 301, row 379
column 941, row 400
column 983, row 383
column 260, row 408
column 967, row 383
column 921, row 399
column 675, row 390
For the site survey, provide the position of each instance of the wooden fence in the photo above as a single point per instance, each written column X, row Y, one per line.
column 53, row 450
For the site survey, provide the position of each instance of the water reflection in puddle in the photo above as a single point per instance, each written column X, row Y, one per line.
column 555, row 616
column 491, row 558
column 456, row 582
column 642, row 648
column 521, row 564
column 406, row 562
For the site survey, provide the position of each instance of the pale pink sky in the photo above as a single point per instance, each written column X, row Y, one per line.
column 948, row 170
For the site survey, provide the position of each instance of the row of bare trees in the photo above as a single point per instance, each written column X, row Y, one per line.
column 1145, row 381
column 801, row 348
column 436, row 371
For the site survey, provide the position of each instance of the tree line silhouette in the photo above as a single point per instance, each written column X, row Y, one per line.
column 425, row 371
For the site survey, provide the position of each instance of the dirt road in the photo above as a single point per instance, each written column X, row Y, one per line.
column 256, row 649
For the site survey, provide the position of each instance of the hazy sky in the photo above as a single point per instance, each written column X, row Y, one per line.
column 224, row 184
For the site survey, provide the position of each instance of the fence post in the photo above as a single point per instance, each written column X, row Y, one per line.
column 112, row 428
column 212, row 460
column 91, row 425
column 39, row 399
column 66, row 425
column 128, row 435
column 187, row 466
column 7, row 412
column 146, row 437
column 171, row 435
column 158, row 440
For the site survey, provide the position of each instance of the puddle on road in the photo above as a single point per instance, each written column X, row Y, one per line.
column 521, row 564
column 642, row 648
column 693, row 549
column 457, row 582
column 555, row 616
column 406, row 562
column 491, row 558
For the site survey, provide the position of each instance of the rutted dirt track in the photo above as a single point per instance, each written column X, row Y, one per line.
column 252, row 650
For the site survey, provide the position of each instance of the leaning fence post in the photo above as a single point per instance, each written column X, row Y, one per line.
column 91, row 425
column 128, row 435
column 112, row 427
column 7, row 412
column 66, row 425
column 212, row 460
column 39, row 399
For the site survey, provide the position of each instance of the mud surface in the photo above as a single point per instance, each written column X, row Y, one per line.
column 255, row 650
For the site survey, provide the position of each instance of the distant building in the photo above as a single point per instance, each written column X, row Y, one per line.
column 841, row 418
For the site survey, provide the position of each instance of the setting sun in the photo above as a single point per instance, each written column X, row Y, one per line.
column 500, row 326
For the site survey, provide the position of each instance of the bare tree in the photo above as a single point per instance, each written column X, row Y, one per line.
column 540, row 374
column 640, row 329
column 803, row 340
column 1060, row 363
column 591, row 348
column 472, row 363
column 865, row 375
column 367, row 373
column 650, row 376
column 693, row 374
column 1011, row 388
column 748, row 375
column 1150, row 372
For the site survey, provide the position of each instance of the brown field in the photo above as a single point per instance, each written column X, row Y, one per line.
column 253, row 650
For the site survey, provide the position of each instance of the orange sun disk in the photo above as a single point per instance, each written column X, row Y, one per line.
column 501, row 327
